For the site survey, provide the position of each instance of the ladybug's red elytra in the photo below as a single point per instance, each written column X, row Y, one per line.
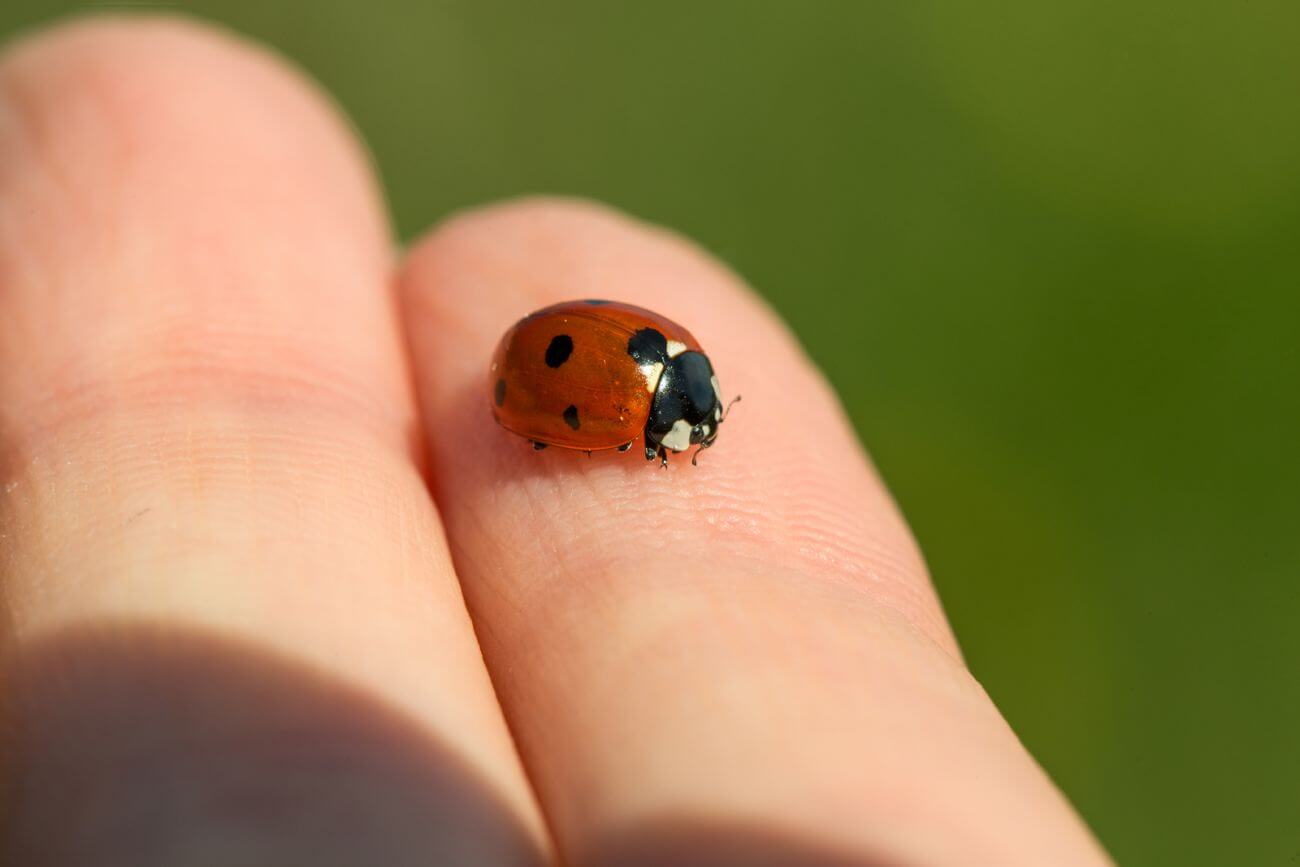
column 593, row 375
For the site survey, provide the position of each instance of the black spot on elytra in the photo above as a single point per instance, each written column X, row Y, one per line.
column 571, row 417
column 648, row 346
column 595, row 302
column 499, row 393
column 559, row 350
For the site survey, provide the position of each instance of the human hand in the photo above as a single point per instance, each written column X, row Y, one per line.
column 261, row 544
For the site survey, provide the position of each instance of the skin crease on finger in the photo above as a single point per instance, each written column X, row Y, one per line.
column 208, row 479
column 752, row 642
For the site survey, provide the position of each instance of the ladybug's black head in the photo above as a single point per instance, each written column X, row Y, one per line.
column 687, row 405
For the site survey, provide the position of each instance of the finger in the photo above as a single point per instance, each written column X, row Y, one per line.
column 236, row 633
column 705, row 664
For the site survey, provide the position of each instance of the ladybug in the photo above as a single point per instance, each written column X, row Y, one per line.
column 593, row 375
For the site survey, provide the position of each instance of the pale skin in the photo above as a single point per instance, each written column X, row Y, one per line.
column 277, row 591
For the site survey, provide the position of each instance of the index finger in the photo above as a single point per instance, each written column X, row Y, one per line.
column 229, row 630
column 691, row 659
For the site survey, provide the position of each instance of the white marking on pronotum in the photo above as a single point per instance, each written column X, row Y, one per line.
column 717, row 389
column 679, row 438
column 652, row 372
column 706, row 430
column 675, row 348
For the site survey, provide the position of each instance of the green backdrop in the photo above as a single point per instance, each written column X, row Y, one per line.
column 1050, row 255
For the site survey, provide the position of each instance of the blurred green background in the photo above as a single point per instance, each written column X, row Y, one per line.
column 1050, row 255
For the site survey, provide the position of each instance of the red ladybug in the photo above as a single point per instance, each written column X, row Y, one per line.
column 595, row 375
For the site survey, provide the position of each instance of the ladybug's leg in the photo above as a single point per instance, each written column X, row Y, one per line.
column 663, row 457
column 625, row 447
column 537, row 447
column 651, row 449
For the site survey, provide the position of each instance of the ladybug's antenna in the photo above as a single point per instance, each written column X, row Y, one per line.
column 735, row 400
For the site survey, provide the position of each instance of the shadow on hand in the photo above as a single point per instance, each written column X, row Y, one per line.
column 140, row 747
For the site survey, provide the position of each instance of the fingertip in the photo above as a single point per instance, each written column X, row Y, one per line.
column 205, row 411
column 124, row 91
column 788, row 475
column 768, row 602
column 483, row 268
column 228, row 210
column 534, row 249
